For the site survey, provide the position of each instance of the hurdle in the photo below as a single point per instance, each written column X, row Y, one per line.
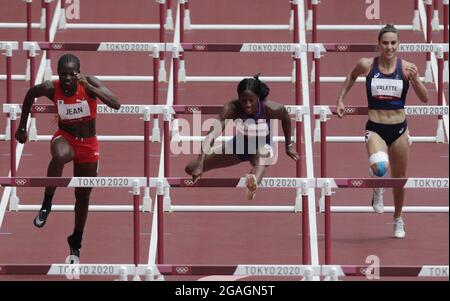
column 9, row 193
column 439, row 49
column 325, row 111
column 175, row 182
column 8, row 47
column 110, row 182
column 163, row 190
column 153, row 49
column 297, row 110
column 145, row 110
column 60, row 22
column 151, row 272
column 186, row 24
column 427, row 9
column 327, row 184
column 176, row 48
column 333, row 272
column 313, row 13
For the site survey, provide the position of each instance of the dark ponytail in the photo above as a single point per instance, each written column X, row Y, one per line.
column 255, row 85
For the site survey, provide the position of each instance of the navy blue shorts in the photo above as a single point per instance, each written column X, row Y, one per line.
column 388, row 132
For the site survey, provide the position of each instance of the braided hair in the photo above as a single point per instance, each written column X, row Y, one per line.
column 388, row 28
column 255, row 85
column 68, row 58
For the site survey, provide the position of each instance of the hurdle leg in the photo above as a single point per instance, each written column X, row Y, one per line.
column 428, row 71
column 416, row 18
column 147, row 201
column 440, row 133
column 136, row 229
column 162, row 75
column 187, row 16
column 62, row 24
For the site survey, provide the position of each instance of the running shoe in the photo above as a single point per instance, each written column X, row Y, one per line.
column 377, row 200
column 41, row 218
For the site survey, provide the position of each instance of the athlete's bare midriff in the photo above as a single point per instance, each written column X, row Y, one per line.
column 387, row 116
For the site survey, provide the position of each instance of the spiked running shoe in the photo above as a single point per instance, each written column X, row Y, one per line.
column 41, row 218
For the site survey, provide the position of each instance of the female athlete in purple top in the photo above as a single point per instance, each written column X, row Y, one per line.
column 252, row 114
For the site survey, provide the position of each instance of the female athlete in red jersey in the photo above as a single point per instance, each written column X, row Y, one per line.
column 75, row 97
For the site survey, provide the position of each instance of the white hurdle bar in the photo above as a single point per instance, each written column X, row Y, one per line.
column 186, row 24
column 70, row 208
column 364, row 27
column 408, row 183
column 204, row 47
column 109, row 182
column 101, row 109
column 295, row 183
column 296, row 111
column 328, row 184
column 389, row 209
column 325, row 111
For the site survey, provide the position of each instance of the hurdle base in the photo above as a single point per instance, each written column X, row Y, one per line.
column 146, row 201
column 13, row 200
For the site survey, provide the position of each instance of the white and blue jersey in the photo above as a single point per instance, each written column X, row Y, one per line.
column 252, row 133
column 386, row 91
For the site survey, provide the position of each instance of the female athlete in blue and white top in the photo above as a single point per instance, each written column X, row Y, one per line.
column 387, row 81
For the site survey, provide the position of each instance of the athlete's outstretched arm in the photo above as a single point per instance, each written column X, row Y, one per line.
column 279, row 112
column 361, row 67
column 47, row 88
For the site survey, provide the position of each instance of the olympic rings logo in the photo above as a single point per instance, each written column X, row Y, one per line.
column 20, row 182
column 193, row 109
column 366, row 271
column 200, row 47
column 57, row 46
column 357, row 183
column 181, row 270
column 342, row 47
column 188, row 182
column 39, row 108
column 350, row 110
